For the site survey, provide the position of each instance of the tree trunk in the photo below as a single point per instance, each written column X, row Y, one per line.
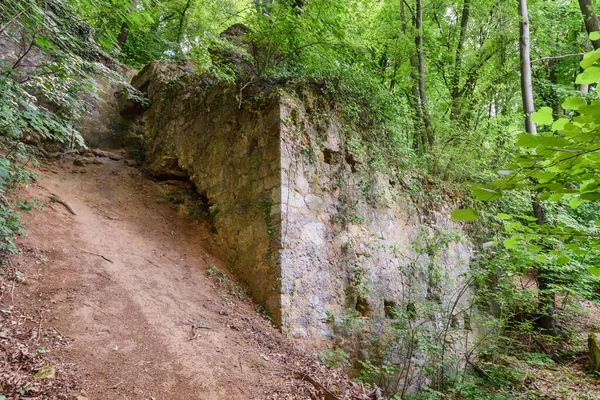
column 123, row 35
column 591, row 25
column 546, row 320
column 182, row 20
column 526, row 82
column 456, row 93
column 415, row 99
column 591, row 20
column 124, row 31
column 427, row 131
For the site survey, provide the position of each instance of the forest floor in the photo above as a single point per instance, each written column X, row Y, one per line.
column 127, row 300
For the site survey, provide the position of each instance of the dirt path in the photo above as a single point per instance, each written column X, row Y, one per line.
column 121, row 284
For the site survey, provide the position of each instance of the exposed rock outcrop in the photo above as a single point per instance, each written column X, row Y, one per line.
column 309, row 224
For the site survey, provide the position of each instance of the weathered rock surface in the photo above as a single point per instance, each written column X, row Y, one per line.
column 102, row 124
column 83, row 161
column 310, row 225
column 594, row 349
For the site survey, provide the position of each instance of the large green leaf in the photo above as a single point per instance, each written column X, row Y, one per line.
column 590, row 75
column 533, row 141
column 574, row 102
column 467, row 214
column 483, row 193
column 589, row 59
column 512, row 242
column 543, row 116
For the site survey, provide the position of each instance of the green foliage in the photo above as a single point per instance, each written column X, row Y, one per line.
column 335, row 358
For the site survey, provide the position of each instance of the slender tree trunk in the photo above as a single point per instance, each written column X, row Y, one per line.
column 591, row 20
column 182, row 20
column 526, row 82
column 456, row 93
column 427, row 132
column 546, row 321
column 123, row 34
column 547, row 303
column 415, row 99
column 591, row 25
column 124, row 31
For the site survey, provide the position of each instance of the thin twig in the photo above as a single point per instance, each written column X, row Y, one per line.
column 59, row 333
column 115, row 385
column 39, row 328
column 99, row 255
column 328, row 394
column 576, row 360
column 241, row 90
column 11, row 21
column 240, row 360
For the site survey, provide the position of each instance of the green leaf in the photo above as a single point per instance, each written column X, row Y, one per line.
column 591, row 110
column 483, row 193
column 589, row 59
column 590, row 75
column 594, row 36
column 543, row 116
column 533, row 141
column 593, row 196
column 595, row 271
column 559, row 124
column 573, row 103
column 504, row 217
column 467, row 214
column 512, row 242
column 563, row 260
column 575, row 202
column 528, row 218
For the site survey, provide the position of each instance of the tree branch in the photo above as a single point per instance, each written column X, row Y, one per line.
column 557, row 57
column 3, row 27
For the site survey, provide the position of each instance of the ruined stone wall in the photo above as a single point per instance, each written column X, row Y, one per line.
column 313, row 226
column 198, row 128
column 353, row 240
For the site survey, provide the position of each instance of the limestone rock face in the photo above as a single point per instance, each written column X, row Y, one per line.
column 594, row 348
column 197, row 127
column 311, row 224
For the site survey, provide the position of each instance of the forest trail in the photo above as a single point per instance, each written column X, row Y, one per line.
column 121, row 284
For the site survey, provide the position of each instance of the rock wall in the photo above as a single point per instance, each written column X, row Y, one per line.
column 353, row 239
column 102, row 125
column 198, row 129
column 311, row 224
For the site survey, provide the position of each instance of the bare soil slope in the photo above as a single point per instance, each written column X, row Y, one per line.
column 118, row 300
